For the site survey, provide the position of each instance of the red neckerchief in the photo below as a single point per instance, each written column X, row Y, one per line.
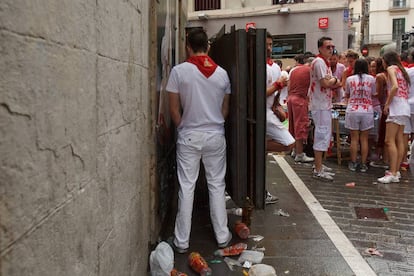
column 409, row 65
column 204, row 63
column 269, row 61
column 349, row 71
column 404, row 64
column 324, row 59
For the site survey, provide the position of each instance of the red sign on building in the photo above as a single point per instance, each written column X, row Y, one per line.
column 250, row 25
column 323, row 23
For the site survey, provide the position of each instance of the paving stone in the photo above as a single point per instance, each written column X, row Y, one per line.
column 394, row 237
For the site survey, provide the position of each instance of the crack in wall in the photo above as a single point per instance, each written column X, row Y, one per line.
column 136, row 8
column 44, row 39
column 74, row 154
column 72, row 195
column 40, row 148
column 115, row 129
column 15, row 113
column 36, row 225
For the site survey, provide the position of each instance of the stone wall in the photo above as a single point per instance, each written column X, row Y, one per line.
column 76, row 145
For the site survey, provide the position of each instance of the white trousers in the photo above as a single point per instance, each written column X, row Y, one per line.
column 211, row 149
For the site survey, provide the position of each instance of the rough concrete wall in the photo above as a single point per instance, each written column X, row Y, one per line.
column 75, row 137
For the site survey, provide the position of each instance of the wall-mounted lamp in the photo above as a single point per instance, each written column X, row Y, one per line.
column 203, row 16
column 284, row 10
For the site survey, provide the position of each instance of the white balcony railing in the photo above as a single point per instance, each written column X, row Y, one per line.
column 379, row 39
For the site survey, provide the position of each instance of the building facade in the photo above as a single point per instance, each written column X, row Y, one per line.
column 387, row 21
column 355, row 19
column 295, row 25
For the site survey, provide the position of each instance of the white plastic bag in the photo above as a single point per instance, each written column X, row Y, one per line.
column 251, row 256
column 262, row 270
column 162, row 260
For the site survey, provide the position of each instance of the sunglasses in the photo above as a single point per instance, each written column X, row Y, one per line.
column 330, row 47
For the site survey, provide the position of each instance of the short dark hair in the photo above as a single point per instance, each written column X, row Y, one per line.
column 269, row 35
column 351, row 53
column 279, row 62
column 322, row 40
column 300, row 58
column 197, row 40
column 308, row 54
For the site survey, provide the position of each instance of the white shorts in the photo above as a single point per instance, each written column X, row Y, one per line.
column 409, row 127
column 399, row 120
column 323, row 129
column 359, row 121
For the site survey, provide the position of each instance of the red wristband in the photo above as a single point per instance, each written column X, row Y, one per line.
column 278, row 85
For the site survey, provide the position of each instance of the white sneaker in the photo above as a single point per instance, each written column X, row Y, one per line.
column 325, row 169
column 303, row 158
column 293, row 153
column 270, row 199
column 322, row 175
column 398, row 173
column 389, row 178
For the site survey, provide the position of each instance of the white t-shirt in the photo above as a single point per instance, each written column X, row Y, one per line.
column 360, row 91
column 201, row 98
column 273, row 73
column 320, row 98
column 410, row 72
column 399, row 105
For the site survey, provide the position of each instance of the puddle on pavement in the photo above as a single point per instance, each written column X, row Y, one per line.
column 370, row 213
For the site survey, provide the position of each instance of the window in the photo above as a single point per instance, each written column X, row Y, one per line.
column 398, row 28
column 204, row 5
column 399, row 3
column 288, row 46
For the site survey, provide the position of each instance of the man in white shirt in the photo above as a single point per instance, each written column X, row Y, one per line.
column 320, row 96
column 201, row 90
column 279, row 136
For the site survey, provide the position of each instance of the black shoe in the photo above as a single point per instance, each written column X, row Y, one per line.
column 176, row 249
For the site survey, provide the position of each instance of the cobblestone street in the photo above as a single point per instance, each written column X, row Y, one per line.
column 394, row 238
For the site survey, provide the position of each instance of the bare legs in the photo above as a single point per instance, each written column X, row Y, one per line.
column 354, row 145
column 299, row 146
column 364, row 145
column 318, row 160
column 394, row 144
column 406, row 138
